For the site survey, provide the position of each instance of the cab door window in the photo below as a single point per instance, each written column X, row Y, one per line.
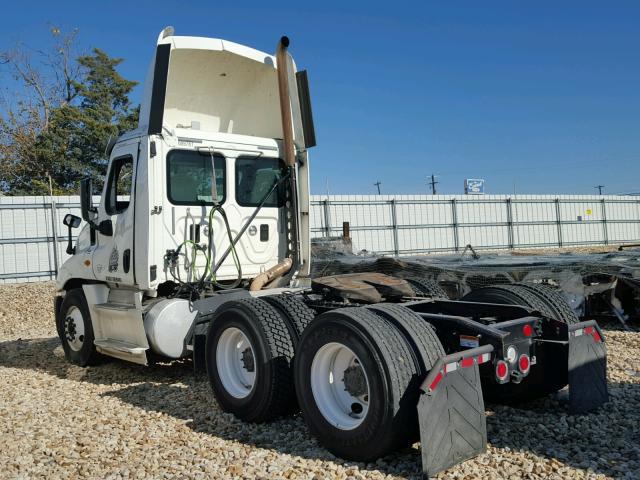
column 119, row 186
column 255, row 177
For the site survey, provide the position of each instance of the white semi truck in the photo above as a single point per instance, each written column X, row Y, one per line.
column 199, row 247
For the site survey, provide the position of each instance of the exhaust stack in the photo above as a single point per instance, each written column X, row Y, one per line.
column 285, row 102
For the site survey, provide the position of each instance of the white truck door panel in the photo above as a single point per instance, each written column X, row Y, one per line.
column 113, row 255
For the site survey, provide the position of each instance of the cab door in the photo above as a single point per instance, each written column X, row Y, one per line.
column 113, row 254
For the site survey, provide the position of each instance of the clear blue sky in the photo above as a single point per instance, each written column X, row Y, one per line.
column 542, row 95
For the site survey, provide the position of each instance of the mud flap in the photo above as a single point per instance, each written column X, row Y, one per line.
column 587, row 367
column 451, row 411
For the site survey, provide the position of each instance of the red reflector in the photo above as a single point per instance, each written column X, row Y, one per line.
column 527, row 330
column 436, row 381
column 596, row 336
column 524, row 363
column 502, row 370
column 467, row 362
column 588, row 330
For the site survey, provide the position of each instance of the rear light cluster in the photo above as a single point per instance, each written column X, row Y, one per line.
column 464, row 363
column 589, row 331
column 502, row 367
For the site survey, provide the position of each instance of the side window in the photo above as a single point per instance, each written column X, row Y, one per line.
column 119, row 186
column 255, row 176
column 190, row 177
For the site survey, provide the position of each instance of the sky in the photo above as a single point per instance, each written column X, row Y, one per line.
column 533, row 97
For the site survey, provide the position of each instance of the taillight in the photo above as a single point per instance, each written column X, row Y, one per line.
column 502, row 370
column 524, row 363
column 527, row 330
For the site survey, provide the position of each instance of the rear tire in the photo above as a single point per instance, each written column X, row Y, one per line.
column 426, row 287
column 75, row 329
column 556, row 301
column 425, row 345
column 550, row 372
column 294, row 312
column 249, row 354
column 353, row 374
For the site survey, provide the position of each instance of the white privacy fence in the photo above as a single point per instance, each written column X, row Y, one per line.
column 411, row 224
column 386, row 224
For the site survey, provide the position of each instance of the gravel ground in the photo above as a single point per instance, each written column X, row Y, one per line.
column 118, row 420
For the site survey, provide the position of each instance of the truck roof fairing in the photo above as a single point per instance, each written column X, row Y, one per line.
column 211, row 85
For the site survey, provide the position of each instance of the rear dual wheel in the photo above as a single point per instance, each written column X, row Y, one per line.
column 550, row 372
column 357, row 374
column 249, row 355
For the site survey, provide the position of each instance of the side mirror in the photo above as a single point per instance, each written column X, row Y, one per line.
column 86, row 205
column 86, row 199
column 71, row 221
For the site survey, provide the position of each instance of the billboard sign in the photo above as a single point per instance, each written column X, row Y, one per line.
column 474, row 186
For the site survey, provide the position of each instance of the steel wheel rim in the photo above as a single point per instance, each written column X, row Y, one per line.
column 234, row 353
column 74, row 329
column 335, row 403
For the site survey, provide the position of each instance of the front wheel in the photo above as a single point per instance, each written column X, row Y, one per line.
column 75, row 329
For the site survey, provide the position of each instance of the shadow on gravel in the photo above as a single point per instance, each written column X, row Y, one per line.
column 605, row 442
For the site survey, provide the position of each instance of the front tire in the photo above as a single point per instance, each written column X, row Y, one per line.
column 75, row 329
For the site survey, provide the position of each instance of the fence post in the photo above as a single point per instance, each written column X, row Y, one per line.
column 454, row 218
column 510, row 223
column 327, row 217
column 394, row 223
column 54, row 229
column 605, row 229
column 559, row 221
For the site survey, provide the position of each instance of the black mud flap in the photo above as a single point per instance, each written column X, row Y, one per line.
column 451, row 411
column 587, row 367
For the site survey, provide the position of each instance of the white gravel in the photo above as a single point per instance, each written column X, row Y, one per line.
column 118, row 420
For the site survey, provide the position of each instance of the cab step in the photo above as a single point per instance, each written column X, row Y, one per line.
column 121, row 349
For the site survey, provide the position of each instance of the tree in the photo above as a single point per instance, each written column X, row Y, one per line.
column 60, row 120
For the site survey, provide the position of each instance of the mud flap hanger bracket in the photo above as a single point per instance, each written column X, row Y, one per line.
column 451, row 410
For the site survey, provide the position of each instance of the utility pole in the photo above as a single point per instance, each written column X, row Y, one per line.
column 599, row 187
column 377, row 184
column 433, row 184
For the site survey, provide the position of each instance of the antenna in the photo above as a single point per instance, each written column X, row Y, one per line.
column 599, row 187
column 377, row 184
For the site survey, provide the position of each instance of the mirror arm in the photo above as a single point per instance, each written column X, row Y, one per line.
column 71, row 250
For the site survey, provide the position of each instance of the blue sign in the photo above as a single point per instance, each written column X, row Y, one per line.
column 474, row 186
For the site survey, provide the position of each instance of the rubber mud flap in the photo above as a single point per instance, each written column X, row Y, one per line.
column 587, row 367
column 453, row 426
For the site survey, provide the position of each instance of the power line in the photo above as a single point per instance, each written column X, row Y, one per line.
column 377, row 184
column 433, row 184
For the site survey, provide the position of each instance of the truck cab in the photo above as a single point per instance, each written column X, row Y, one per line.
column 202, row 191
